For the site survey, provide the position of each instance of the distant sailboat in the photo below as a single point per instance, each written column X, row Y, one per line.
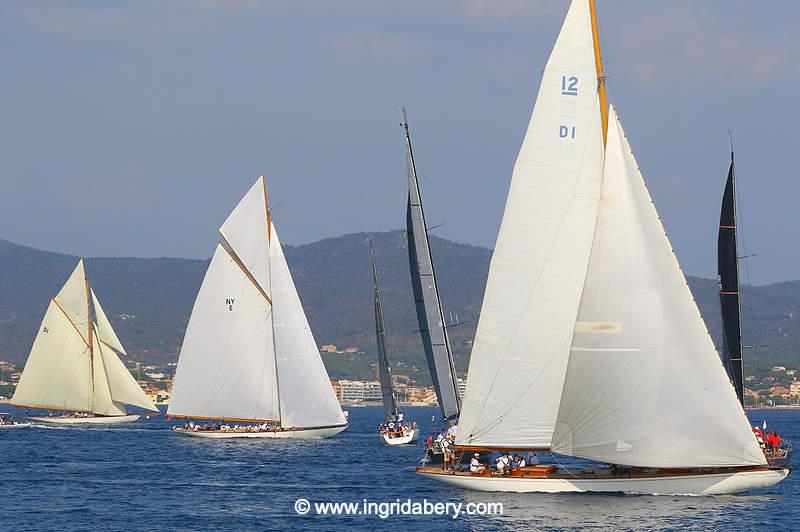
column 395, row 430
column 589, row 342
column 432, row 326
column 248, row 356
column 729, row 300
column 73, row 366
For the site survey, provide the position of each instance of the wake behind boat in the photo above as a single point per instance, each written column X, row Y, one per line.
column 73, row 366
column 589, row 342
column 249, row 366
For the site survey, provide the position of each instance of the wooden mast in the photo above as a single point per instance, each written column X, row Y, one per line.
column 272, row 321
column 601, row 80
column 91, row 331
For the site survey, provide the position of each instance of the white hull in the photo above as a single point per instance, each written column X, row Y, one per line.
column 701, row 484
column 101, row 420
column 16, row 426
column 303, row 434
column 409, row 437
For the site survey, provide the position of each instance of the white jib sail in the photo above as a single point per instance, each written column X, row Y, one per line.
column 644, row 384
column 102, row 402
column 58, row 373
column 226, row 367
column 122, row 386
column 104, row 329
column 532, row 294
column 245, row 231
column 306, row 395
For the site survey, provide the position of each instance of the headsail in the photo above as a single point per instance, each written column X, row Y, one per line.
column 105, row 331
column 426, row 295
column 384, row 370
column 644, row 385
column 521, row 347
column 728, row 269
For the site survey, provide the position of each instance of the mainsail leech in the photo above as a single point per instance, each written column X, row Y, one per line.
column 432, row 326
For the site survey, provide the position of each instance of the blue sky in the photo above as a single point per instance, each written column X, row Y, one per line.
column 132, row 128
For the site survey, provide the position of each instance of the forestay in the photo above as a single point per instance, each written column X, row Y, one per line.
column 532, row 294
column 644, row 385
column 104, row 329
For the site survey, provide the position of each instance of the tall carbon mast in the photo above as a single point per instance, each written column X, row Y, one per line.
column 728, row 270
column 384, row 371
column 426, row 296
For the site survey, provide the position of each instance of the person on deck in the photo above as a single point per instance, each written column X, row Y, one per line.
column 475, row 465
column 400, row 418
column 502, row 464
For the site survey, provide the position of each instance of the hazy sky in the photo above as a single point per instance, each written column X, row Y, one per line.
column 132, row 128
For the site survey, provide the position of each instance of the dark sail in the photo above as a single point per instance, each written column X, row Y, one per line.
column 384, row 371
column 728, row 270
column 426, row 295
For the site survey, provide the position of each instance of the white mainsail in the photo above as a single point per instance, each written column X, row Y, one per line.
column 68, row 370
column 226, row 368
column 644, row 384
column 532, row 294
column 58, row 371
column 249, row 353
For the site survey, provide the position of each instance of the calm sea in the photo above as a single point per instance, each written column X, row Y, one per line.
column 143, row 476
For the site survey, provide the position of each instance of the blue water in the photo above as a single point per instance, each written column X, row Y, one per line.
column 143, row 476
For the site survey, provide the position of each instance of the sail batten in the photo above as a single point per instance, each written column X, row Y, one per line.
column 522, row 343
column 430, row 316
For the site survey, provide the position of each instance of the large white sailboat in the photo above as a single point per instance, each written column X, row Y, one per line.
column 249, row 366
column 589, row 342
column 73, row 366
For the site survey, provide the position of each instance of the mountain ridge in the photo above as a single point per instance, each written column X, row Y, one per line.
column 149, row 300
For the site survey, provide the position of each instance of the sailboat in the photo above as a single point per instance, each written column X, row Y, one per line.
column 73, row 366
column 432, row 326
column 249, row 357
column 589, row 343
column 395, row 430
column 730, row 306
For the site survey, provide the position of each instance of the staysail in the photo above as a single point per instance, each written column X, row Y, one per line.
column 644, row 385
column 521, row 347
column 432, row 326
column 72, row 365
column 728, row 270
column 384, row 370
column 248, row 353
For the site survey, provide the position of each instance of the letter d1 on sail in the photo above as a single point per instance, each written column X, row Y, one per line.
column 532, row 294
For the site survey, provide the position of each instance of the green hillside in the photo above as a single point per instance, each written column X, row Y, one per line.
column 149, row 301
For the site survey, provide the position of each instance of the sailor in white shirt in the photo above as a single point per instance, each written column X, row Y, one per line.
column 475, row 463
column 502, row 463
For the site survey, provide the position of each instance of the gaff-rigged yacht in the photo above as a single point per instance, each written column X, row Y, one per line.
column 395, row 430
column 73, row 367
column 589, row 342
column 249, row 366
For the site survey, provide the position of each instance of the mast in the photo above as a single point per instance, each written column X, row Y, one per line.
column 91, row 334
column 426, row 296
column 728, row 271
column 272, row 321
column 384, row 371
column 601, row 80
